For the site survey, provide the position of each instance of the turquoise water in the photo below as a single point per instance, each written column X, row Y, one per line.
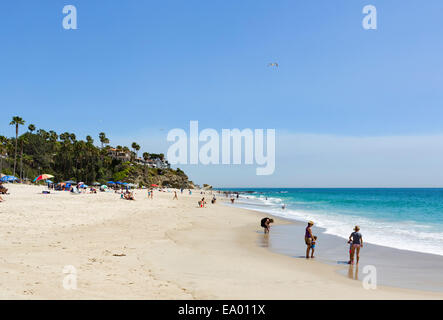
column 409, row 219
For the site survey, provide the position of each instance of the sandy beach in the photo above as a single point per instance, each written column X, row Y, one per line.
column 154, row 249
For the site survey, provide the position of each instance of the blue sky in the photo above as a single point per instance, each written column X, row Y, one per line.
column 135, row 69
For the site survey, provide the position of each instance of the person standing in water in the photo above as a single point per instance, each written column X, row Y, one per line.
column 266, row 224
column 313, row 243
column 357, row 242
column 308, row 238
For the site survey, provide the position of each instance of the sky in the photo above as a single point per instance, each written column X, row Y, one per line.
column 351, row 107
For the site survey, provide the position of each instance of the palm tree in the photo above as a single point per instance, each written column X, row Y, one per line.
column 89, row 140
column 31, row 128
column 137, row 148
column 43, row 133
column 17, row 121
column 53, row 136
column 23, row 141
column 146, row 156
column 102, row 137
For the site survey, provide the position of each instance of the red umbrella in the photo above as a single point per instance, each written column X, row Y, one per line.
column 43, row 177
column 154, row 185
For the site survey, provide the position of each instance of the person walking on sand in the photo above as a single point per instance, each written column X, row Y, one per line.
column 175, row 196
column 308, row 238
column 357, row 242
column 266, row 224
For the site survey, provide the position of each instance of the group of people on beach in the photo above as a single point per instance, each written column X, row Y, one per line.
column 355, row 240
column 127, row 195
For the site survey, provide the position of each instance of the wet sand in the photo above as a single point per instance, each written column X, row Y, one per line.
column 394, row 267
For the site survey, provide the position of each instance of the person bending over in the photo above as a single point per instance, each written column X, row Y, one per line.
column 266, row 224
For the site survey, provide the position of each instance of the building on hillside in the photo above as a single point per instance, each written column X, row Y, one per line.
column 119, row 154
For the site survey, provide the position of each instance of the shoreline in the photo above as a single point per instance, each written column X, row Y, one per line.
column 155, row 249
column 395, row 267
column 400, row 219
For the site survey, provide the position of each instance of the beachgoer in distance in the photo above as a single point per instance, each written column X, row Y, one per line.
column 308, row 238
column 357, row 242
column 266, row 224
column 175, row 196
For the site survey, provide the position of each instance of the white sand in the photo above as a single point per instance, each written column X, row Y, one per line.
column 172, row 250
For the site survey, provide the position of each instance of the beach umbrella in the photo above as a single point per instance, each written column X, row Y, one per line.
column 118, row 182
column 110, row 182
column 104, row 186
column 70, row 182
column 8, row 179
column 43, row 177
column 154, row 185
column 96, row 184
column 49, row 181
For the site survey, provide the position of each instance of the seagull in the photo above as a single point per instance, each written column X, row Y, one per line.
column 273, row 64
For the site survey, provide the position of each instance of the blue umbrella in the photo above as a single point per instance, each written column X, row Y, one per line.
column 49, row 181
column 8, row 179
column 110, row 182
column 118, row 182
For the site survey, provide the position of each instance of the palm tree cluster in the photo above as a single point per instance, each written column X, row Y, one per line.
column 68, row 158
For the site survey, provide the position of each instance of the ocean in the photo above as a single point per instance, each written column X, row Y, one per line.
column 407, row 219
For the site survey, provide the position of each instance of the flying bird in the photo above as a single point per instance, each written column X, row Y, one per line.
column 273, row 64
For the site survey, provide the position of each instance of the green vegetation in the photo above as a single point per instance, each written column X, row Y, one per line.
column 68, row 158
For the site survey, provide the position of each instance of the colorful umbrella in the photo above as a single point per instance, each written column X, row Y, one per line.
column 43, row 177
column 154, row 185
